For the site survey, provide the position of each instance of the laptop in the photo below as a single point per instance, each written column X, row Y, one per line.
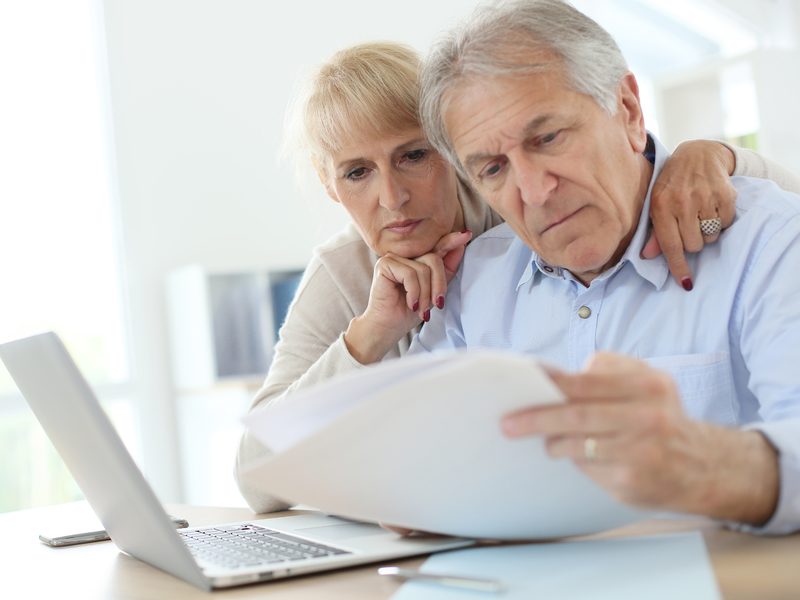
column 212, row 557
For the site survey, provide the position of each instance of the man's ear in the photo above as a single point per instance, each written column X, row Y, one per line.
column 324, row 179
column 630, row 109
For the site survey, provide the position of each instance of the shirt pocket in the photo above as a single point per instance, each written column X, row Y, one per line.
column 705, row 382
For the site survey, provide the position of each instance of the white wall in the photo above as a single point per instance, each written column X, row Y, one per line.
column 198, row 93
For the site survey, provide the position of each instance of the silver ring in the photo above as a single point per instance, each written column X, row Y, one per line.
column 710, row 227
column 590, row 448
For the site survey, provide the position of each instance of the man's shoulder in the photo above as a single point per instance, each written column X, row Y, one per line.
column 763, row 196
column 499, row 243
column 766, row 216
column 494, row 256
column 502, row 232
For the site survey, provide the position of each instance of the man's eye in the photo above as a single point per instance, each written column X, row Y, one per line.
column 546, row 139
column 491, row 170
column 356, row 174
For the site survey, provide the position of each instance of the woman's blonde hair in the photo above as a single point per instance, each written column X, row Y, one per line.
column 362, row 91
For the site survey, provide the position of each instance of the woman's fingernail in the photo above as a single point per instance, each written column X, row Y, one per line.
column 440, row 302
column 686, row 282
column 426, row 316
column 467, row 231
column 415, row 308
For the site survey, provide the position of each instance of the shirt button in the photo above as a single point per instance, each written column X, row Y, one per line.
column 549, row 269
column 584, row 312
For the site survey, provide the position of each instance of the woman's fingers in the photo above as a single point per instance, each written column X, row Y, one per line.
column 438, row 278
column 424, row 279
column 666, row 239
column 414, row 277
column 451, row 241
column 693, row 186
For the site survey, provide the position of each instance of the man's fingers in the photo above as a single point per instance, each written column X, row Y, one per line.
column 595, row 387
column 604, row 448
column 579, row 419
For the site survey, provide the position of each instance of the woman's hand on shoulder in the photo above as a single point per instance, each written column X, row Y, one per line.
column 403, row 292
column 694, row 185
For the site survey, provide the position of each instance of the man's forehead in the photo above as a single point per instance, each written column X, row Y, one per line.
column 489, row 110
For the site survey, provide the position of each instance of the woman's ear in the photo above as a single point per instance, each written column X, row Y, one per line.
column 323, row 178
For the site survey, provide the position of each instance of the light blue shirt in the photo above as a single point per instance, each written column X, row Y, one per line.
column 732, row 344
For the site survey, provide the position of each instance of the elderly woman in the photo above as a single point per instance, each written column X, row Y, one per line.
column 368, row 289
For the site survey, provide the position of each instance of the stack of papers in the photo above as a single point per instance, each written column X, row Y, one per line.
column 417, row 443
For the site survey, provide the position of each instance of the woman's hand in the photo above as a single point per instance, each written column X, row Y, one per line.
column 403, row 291
column 694, row 185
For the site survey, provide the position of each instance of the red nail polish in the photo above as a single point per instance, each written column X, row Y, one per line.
column 426, row 316
column 686, row 282
column 415, row 308
column 440, row 302
column 467, row 231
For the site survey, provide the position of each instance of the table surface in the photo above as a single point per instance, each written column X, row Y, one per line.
column 746, row 566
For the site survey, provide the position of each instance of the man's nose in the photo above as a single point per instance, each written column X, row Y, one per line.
column 535, row 181
column 393, row 193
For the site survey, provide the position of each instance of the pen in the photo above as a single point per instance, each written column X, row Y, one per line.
column 468, row 583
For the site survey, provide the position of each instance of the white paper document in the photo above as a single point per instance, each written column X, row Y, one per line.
column 662, row 567
column 417, row 443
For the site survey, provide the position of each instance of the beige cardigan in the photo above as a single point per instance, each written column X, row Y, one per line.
column 335, row 289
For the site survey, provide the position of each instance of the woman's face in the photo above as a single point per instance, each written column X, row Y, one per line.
column 400, row 192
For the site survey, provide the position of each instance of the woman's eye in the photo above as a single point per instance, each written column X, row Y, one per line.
column 415, row 155
column 356, row 174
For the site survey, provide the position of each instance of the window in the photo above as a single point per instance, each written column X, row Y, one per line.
column 58, row 244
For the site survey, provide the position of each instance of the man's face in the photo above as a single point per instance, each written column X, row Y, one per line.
column 569, row 179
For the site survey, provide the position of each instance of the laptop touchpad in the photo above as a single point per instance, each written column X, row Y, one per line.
column 342, row 531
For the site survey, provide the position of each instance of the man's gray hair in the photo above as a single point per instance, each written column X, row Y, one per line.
column 501, row 39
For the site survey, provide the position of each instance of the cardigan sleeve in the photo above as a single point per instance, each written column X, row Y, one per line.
column 752, row 164
column 311, row 349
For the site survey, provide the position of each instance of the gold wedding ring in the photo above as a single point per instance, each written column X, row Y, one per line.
column 590, row 448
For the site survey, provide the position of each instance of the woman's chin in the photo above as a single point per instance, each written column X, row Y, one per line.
column 409, row 248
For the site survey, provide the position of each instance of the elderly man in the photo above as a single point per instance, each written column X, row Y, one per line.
column 534, row 104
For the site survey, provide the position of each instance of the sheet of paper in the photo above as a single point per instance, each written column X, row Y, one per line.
column 307, row 412
column 421, row 447
column 664, row 567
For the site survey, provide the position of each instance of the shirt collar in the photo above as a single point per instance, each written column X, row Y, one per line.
column 655, row 270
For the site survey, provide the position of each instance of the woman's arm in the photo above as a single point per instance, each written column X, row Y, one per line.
column 752, row 164
column 311, row 349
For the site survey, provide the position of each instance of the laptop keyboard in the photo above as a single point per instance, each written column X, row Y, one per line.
column 250, row 545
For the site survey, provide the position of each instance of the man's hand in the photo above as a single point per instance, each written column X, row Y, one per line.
column 645, row 451
column 403, row 291
column 694, row 184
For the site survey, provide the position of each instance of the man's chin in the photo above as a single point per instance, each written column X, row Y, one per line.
column 587, row 264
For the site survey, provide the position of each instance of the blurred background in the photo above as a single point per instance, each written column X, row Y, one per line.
column 145, row 218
